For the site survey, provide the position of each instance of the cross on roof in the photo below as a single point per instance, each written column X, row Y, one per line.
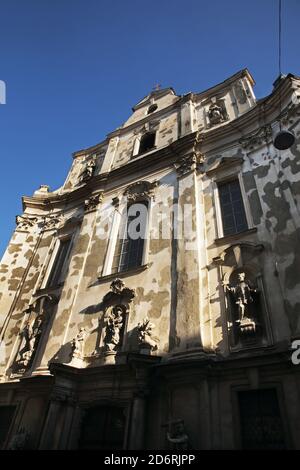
column 157, row 87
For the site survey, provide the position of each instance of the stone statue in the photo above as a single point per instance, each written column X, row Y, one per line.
column 146, row 341
column 216, row 114
column 29, row 336
column 89, row 170
column 177, row 436
column 78, row 343
column 242, row 293
column 114, row 324
column 20, row 440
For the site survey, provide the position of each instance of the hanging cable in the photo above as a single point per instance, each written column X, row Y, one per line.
column 279, row 58
column 284, row 138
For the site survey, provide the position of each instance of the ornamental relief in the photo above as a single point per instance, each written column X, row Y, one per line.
column 244, row 297
column 112, row 331
column 140, row 190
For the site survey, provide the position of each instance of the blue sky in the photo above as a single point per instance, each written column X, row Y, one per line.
column 74, row 68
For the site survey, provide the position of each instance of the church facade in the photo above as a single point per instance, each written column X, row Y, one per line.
column 153, row 301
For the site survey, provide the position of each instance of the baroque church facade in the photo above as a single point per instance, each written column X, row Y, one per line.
column 179, row 337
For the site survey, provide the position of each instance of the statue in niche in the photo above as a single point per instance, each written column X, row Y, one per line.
column 78, row 343
column 177, row 436
column 216, row 114
column 30, row 336
column 146, row 340
column 243, row 298
column 114, row 326
column 89, row 171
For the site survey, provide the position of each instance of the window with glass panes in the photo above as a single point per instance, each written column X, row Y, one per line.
column 232, row 208
column 129, row 251
column 60, row 259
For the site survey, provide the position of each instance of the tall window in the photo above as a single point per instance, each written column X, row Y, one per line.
column 232, row 208
column 130, row 244
column 261, row 425
column 60, row 259
column 147, row 142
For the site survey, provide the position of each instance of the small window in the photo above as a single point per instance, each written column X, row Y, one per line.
column 130, row 243
column 57, row 268
column 152, row 108
column 147, row 142
column 232, row 208
column 261, row 424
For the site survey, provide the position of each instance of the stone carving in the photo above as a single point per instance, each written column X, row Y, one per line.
column 32, row 332
column 146, row 340
column 78, row 344
column 115, row 306
column 92, row 203
column 242, row 293
column 217, row 113
column 260, row 137
column 140, row 190
column 20, row 440
column 25, row 222
column 114, row 327
column 30, row 335
column 189, row 163
column 88, row 171
column 52, row 222
column 177, row 436
column 240, row 93
column 119, row 294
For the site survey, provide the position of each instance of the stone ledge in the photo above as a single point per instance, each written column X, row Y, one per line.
column 235, row 236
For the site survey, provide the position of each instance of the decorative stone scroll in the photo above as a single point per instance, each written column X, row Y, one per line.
column 25, row 223
column 189, row 163
column 53, row 222
column 262, row 136
column 91, row 204
column 140, row 190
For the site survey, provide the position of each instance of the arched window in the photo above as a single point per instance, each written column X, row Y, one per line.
column 147, row 142
column 152, row 108
column 129, row 249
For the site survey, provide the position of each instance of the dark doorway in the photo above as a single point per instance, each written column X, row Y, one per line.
column 103, row 427
column 261, row 424
column 6, row 417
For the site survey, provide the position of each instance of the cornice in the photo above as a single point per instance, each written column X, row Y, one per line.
column 263, row 113
column 225, row 84
column 149, row 163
